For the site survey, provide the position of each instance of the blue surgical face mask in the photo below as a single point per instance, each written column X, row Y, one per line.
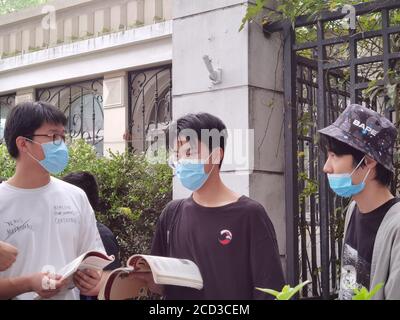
column 55, row 156
column 342, row 185
column 192, row 174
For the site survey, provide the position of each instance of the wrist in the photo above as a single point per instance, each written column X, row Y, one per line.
column 30, row 283
column 22, row 284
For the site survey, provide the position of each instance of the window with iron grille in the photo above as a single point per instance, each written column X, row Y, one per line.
column 6, row 103
column 82, row 104
column 150, row 108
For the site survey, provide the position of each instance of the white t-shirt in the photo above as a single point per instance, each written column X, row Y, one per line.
column 50, row 226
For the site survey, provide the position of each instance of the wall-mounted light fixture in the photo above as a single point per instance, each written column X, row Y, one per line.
column 214, row 75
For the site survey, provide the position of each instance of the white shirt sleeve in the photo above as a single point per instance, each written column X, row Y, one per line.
column 89, row 237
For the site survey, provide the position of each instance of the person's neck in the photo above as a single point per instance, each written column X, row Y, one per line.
column 26, row 177
column 214, row 193
column 373, row 196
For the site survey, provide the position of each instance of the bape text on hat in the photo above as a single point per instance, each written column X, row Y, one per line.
column 366, row 131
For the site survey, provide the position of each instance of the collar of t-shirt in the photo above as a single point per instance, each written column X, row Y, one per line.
column 226, row 206
column 382, row 209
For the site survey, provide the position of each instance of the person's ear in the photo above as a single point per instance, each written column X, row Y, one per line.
column 21, row 143
column 370, row 163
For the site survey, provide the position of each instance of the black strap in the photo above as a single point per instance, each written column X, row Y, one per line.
column 172, row 216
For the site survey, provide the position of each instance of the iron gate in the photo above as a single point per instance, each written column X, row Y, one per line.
column 327, row 66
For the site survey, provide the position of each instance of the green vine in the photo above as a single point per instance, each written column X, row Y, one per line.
column 292, row 9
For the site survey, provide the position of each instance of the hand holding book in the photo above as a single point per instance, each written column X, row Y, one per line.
column 83, row 272
column 147, row 278
column 86, row 281
column 144, row 276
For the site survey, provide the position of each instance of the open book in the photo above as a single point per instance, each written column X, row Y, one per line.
column 96, row 260
column 122, row 285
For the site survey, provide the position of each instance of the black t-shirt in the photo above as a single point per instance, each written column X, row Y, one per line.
column 358, row 248
column 234, row 246
column 110, row 244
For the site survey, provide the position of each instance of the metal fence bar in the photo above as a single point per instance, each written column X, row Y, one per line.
column 290, row 132
column 323, row 194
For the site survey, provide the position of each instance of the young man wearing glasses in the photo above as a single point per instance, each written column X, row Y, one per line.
column 229, row 236
column 50, row 221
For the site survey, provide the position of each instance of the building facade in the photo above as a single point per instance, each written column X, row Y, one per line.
column 121, row 70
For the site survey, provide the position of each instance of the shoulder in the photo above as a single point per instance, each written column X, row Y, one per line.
column 104, row 230
column 72, row 193
column 257, row 219
column 3, row 187
column 253, row 208
column 171, row 207
column 389, row 229
column 392, row 218
column 6, row 188
column 255, row 214
column 106, row 235
column 67, row 187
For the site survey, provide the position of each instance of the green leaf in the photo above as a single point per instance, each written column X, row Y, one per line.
column 287, row 292
column 270, row 291
column 9, row 6
column 251, row 12
column 364, row 294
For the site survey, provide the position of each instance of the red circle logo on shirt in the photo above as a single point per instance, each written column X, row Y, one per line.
column 226, row 237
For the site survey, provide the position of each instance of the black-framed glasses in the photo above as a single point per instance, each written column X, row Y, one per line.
column 57, row 138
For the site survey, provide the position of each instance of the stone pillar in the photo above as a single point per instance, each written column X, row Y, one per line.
column 102, row 21
column 15, row 42
column 85, row 22
column 150, row 11
column 41, row 36
column 27, row 40
column 135, row 13
column 4, row 44
column 167, row 9
column 249, row 97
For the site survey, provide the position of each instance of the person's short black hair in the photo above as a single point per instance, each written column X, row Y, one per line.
column 383, row 175
column 204, row 121
column 88, row 183
column 26, row 118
